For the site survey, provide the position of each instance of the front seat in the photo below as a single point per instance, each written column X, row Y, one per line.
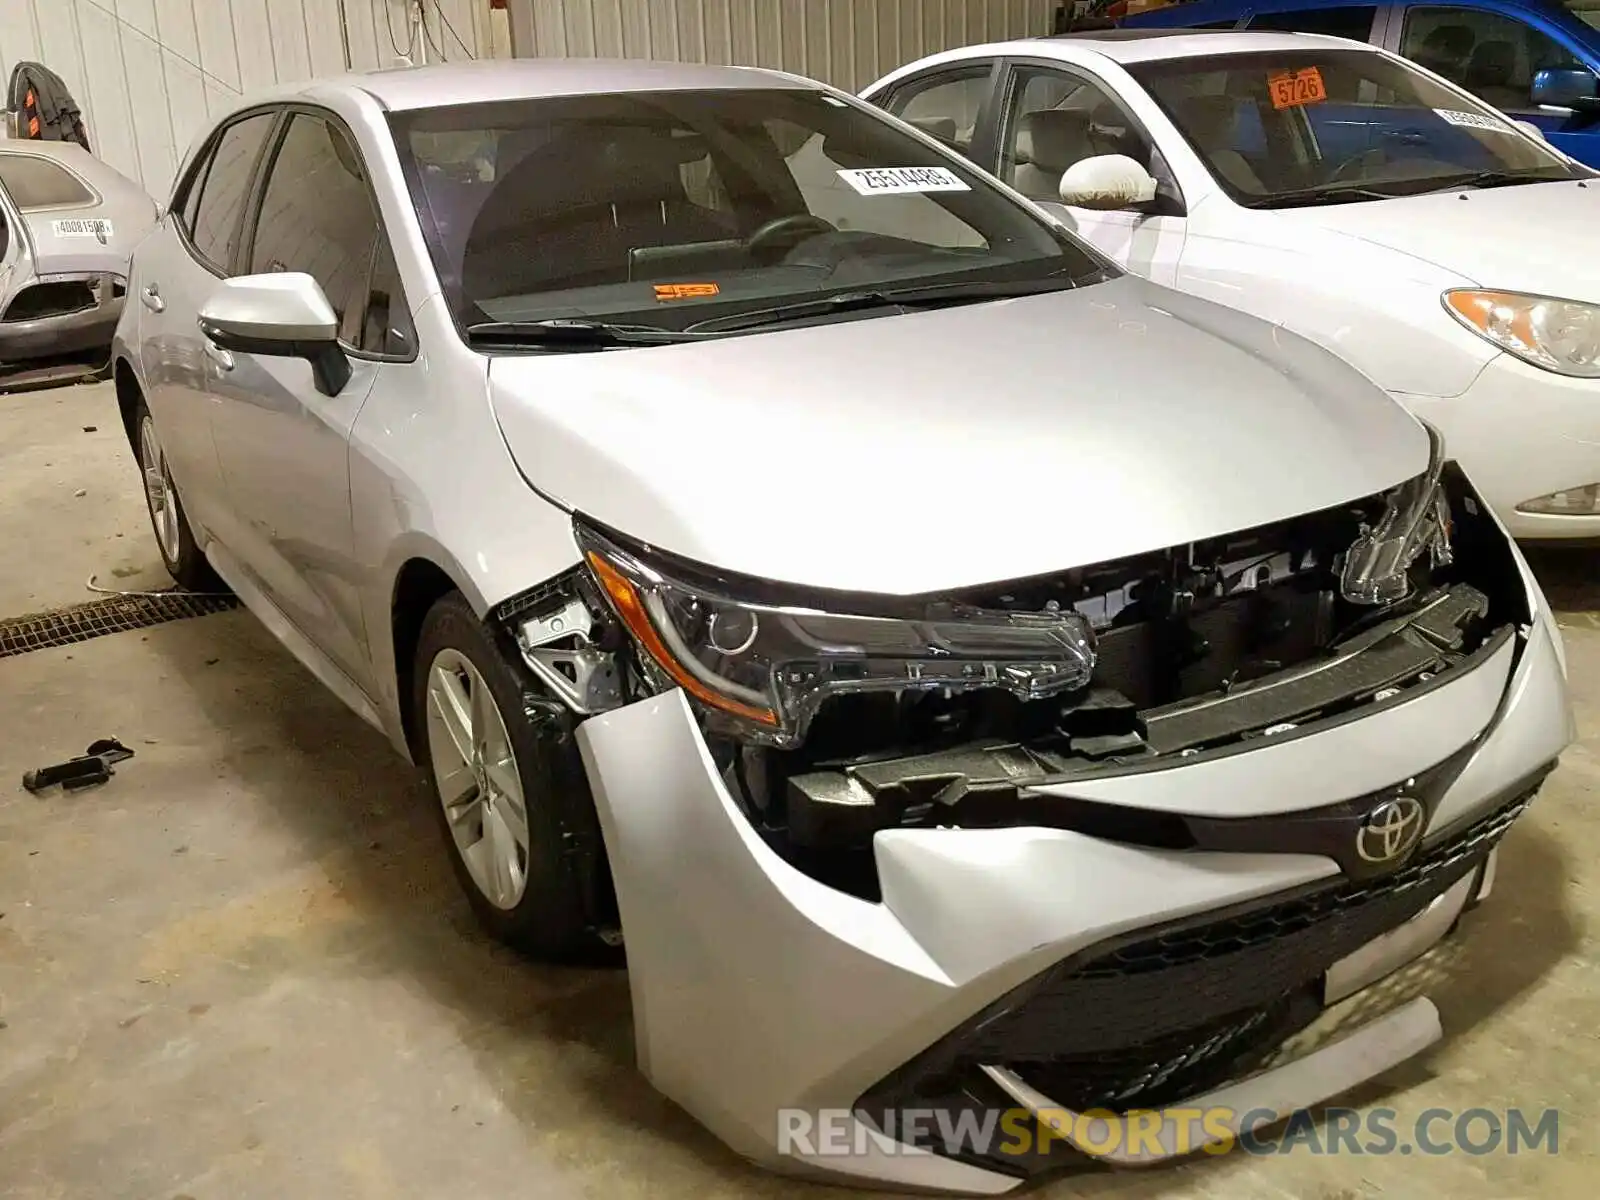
column 1490, row 73
column 1445, row 51
column 1048, row 142
column 567, row 214
column 1213, row 123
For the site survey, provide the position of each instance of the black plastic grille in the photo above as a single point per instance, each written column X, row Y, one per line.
column 1221, row 969
column 114, row 614
column 1165, row 1015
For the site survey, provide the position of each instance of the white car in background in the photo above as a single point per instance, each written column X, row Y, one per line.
column 1336, row 189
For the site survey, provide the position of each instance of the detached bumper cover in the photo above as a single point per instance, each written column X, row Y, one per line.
column 1153, row 974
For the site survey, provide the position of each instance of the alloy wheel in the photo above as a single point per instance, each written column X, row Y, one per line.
column 475, row 774
column 159, row 493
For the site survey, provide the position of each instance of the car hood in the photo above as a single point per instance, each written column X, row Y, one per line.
column 916, row 453
column 1538, row 237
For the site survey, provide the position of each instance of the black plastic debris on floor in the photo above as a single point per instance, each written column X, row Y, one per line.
column 90, row 769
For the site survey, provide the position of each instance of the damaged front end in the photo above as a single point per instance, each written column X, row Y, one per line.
column 913, row 853
column 837, row 716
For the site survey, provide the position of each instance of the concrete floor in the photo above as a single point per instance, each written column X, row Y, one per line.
column 241, row 969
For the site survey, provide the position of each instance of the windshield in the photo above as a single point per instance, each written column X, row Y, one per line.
column 1293, row 127
column 670, row 209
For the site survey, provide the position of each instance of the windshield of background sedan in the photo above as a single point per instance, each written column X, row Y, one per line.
column 666, row 209
column 1319, row 126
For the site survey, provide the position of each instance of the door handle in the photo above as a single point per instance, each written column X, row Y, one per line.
column 217, row 354
column 152, row 299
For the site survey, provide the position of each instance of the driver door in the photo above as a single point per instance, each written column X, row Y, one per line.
column 1052, row 116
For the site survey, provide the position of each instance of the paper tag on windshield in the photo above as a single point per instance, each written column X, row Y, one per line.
column 93, row 228
column 1472, row 120
column 889, row 181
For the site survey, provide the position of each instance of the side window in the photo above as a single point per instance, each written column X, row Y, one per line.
column 944, row 106
column 317, row 216
column 1353, row 21
column 1484, row 52
column 35, row 182
column 221, row 195
column 1054, row 119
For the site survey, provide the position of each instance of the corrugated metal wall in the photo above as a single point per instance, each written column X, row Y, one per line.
column 848, row 43
column 147, row 73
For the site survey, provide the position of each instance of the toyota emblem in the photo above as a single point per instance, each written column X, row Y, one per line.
column 1390, row 830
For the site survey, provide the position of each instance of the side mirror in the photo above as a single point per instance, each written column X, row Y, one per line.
column 283, row 314
column 1107, row 181
column 1532, row 130
column 1573, row 88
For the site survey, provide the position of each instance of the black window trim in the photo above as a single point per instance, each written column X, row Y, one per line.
column 199, row 174
column 257, row 195
column 1177, row 204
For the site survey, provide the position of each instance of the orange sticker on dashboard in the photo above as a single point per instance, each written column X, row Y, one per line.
column 685, row 291
column 1290, row 89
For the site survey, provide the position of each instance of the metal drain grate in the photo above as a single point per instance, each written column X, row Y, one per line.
column 97, row 618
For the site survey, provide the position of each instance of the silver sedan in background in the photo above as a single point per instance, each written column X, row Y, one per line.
column 971, row 677
column 68, row 223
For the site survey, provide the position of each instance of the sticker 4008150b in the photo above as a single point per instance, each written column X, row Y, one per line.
column 82, row 227
column 882, row 181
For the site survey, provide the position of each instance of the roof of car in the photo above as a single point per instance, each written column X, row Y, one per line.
column 1146, row 45
column 403, row 88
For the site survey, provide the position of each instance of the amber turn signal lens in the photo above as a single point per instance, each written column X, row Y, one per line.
column 630, row 607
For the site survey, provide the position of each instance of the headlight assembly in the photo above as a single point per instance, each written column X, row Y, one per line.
column 1559, row 335
column 761, row 670
column 1415, row 519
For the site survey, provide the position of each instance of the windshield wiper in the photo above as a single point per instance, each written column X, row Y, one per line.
column 1499, row 178
column 573, row 331
column 1328, row 193
column 928, row 295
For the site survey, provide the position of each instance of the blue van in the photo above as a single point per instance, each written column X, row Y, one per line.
column 1535, row 60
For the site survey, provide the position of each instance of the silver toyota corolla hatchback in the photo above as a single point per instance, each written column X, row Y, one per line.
column 975, row 680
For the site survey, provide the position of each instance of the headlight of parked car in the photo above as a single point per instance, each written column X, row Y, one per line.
column 1415, row 519
column 1559, row 335
column 762, row 670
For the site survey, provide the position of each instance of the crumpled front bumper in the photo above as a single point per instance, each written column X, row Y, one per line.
column 760, row 993
column 82, row 331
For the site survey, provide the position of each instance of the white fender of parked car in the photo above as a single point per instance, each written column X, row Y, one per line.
column 1107, row 181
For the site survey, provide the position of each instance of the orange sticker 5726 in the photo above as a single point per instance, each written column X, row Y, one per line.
column 1291, row 88
column 685, row 291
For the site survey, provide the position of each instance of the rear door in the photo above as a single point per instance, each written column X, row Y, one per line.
column 177, row 268
column 283, row 445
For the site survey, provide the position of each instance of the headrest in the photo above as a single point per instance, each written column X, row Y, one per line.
column 1054, row 138
column 943, row 128
column 1500, row 55
column 1211, row 118
column 583, row 166
column 1450, row 39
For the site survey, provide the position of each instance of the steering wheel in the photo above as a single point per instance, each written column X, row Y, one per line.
column 1355, row 164
column 787, row 232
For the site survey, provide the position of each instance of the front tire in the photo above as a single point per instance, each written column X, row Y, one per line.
column 180, row 553
column 511, row 795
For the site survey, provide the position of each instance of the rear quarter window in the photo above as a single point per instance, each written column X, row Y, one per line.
column 36, row 182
